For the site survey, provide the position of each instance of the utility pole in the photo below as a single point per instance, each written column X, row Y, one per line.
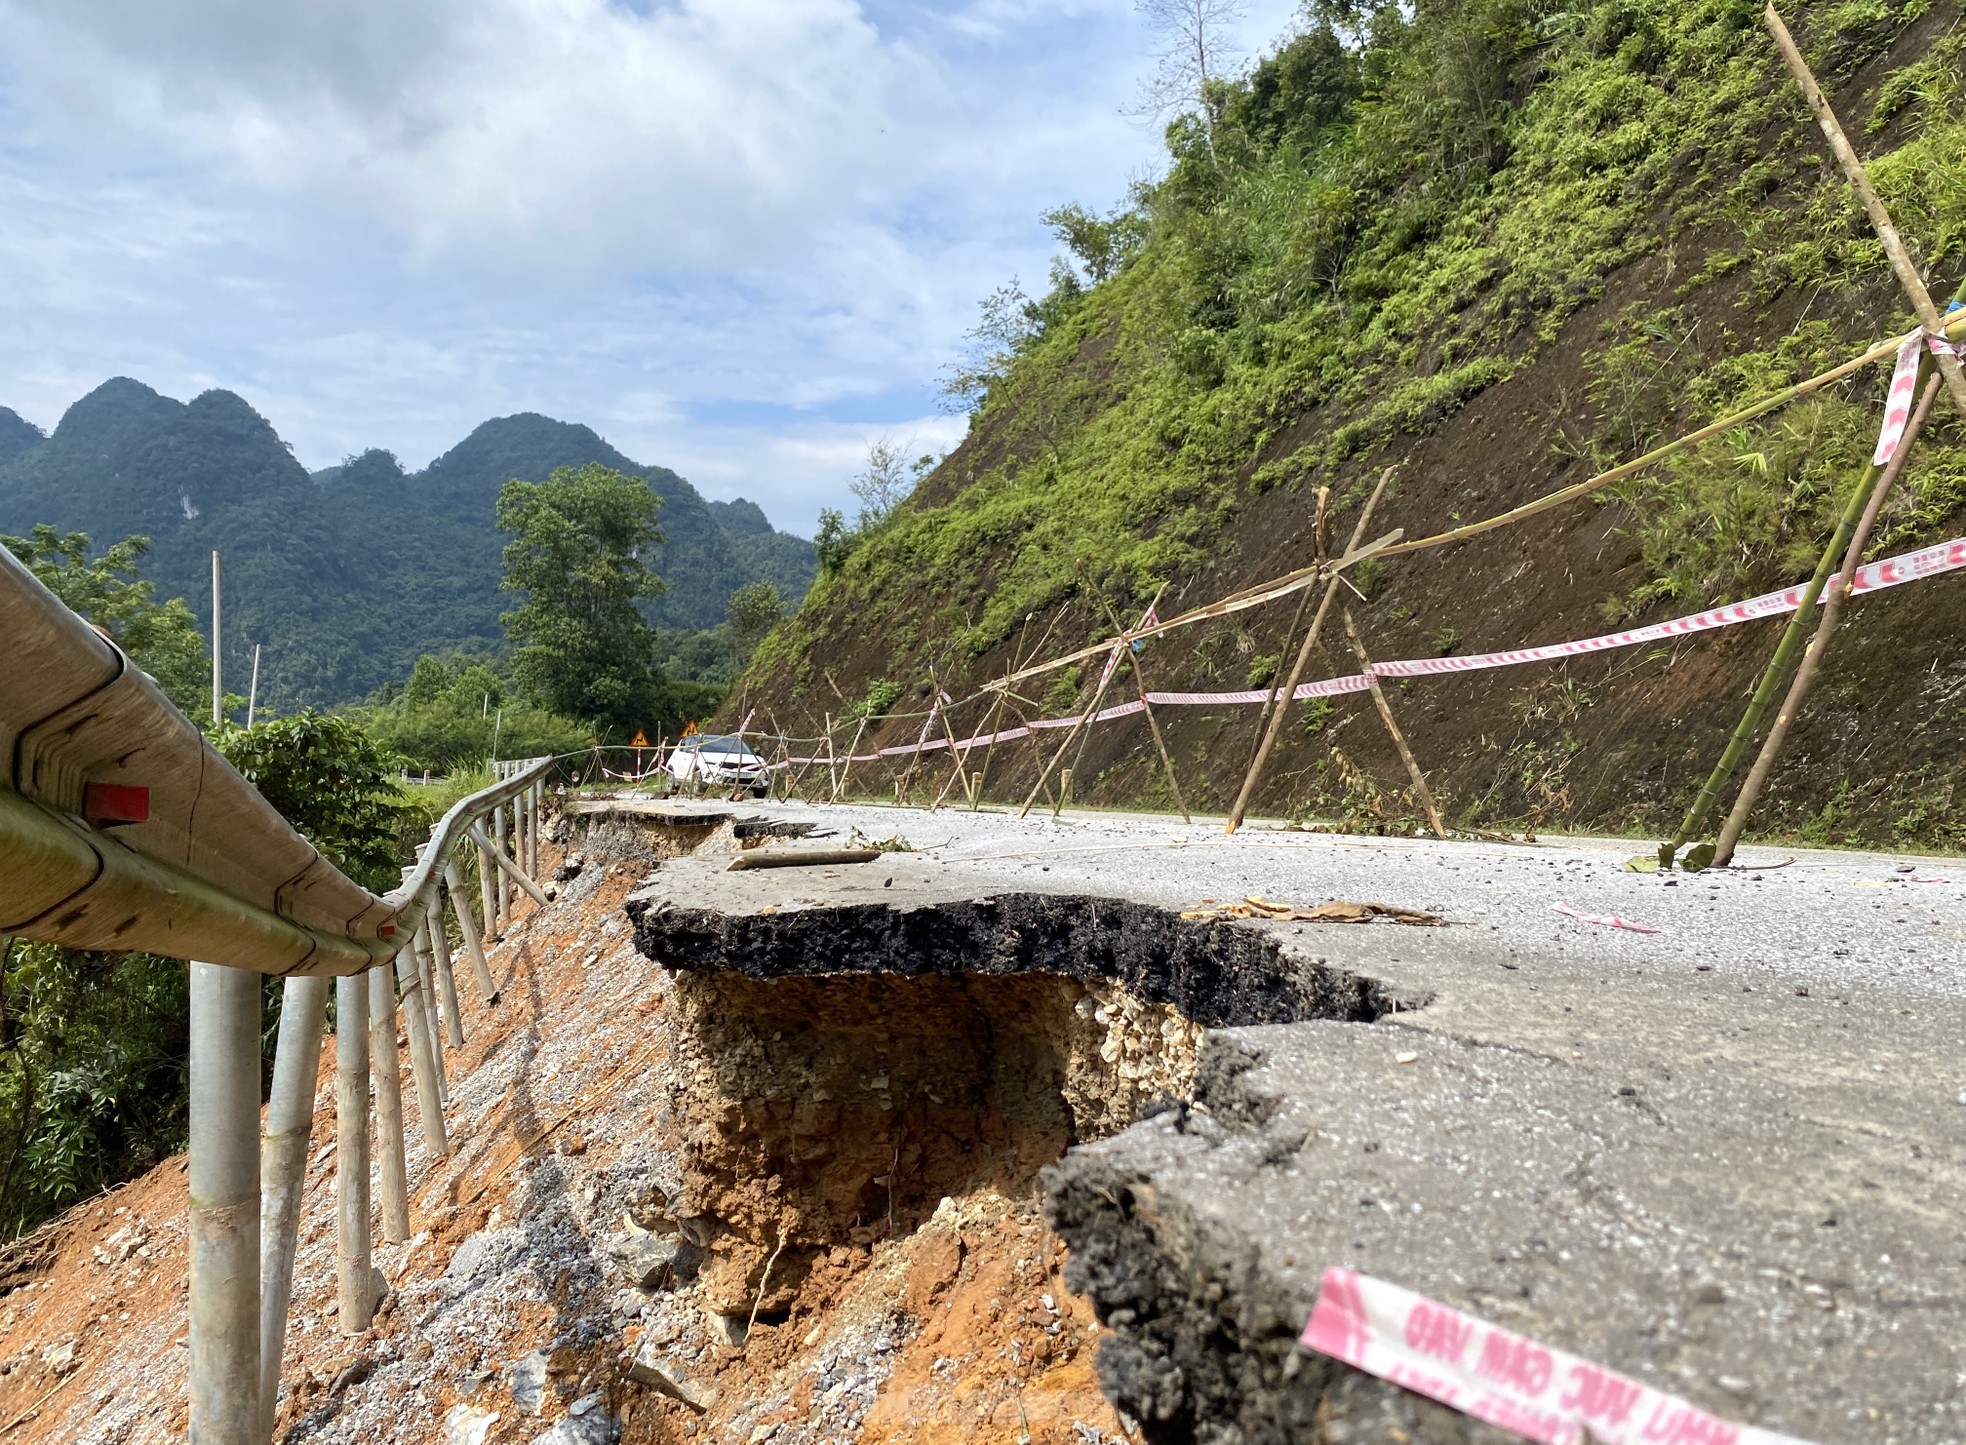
column 252, row 693
column 218, row 678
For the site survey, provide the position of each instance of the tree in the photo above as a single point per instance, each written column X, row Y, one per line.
column 581, row 646
column 1191, row 68
column 453, row 710
column 1008, row 326
column 889, row 479
column 1100, row 245
column 160, row 637
column 334, row 782
column 752, row 613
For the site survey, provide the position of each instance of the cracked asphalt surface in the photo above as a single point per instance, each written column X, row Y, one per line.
column 1728, row 1157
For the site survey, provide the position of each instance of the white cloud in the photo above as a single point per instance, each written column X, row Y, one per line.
column 739, row 237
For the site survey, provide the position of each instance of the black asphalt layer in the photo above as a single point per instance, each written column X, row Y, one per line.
column 1728, row 1158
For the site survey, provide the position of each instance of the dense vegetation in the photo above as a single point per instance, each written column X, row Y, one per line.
column 1394, row 212
column 349, row 575
column 93, row 1046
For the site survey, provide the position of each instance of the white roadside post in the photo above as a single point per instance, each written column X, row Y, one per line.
column 522, row 827
column 500, row 888
column 468, row 926
column 423, row 1064
column 354, row 1287
column 488, row 900
column 509, row 868
column 386, row 1071
column 537, row 802
column 440, row 957
column 224, row 1190
column 426, row 976
column 283, row 1173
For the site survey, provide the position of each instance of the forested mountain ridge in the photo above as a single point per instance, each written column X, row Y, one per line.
column 1502, row 243
column 348, row 575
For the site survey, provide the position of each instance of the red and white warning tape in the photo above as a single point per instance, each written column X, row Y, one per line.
column 1891, row 572
column 1509, row 1381
column 1904, row 381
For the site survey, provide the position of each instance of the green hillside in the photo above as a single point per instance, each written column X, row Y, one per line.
column 16, row 434
column 1502, row 242
column 349, row 575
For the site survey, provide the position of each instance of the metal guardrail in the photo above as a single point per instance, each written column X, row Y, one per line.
column 122, row 830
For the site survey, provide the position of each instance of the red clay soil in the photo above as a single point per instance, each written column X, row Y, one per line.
column 960, row 1330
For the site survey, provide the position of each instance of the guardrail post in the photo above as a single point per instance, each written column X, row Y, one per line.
column 487, row 899
column 354, row 1273
column 535, row 801
column 522, row 828
column 468, row 926
column 283, row 1173
column 224, row 1190
column 423, row 1065
column 510, row 869
column 426, row 975
column 501, row 889
column 440, row 958
column 386, row 1073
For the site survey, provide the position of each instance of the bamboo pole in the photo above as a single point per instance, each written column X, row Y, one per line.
column 1098, row 695
column 914, row 758
column 283, row 1173
column 1153, row 723
column 846, row 772
column 1805, row 674
column 423, row 1061
column 1395, row 545
column 1880, row 218
column 1392, row 727
column 832, row 768
column 386, row 1077
column 474, row 945
column 1750, row 724
column 224, row 1205
column 354, row 1272
column 1296, row 621
column 1257, row 763
column 961, row 759
column 1018, row 657
column 1106, row 676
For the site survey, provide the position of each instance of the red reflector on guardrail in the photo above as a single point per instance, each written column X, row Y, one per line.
column 107, row 804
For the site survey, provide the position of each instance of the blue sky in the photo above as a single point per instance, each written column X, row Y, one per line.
column 738, row 238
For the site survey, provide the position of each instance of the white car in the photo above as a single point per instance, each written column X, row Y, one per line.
column 718, row 764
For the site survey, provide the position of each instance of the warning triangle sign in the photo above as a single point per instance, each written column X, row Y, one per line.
column 641, row 739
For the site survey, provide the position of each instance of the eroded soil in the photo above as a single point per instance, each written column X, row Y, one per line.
column 594, row 1130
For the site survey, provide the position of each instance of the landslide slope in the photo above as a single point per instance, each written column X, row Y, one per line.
column 1502, row 244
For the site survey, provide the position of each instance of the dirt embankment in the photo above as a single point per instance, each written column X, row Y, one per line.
column 1617, row 741
column 586, row 1266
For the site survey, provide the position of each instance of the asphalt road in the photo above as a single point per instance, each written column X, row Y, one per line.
column 1727, row 1157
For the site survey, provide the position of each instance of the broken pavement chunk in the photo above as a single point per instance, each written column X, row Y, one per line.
column 784, row 857
column 1338, row 910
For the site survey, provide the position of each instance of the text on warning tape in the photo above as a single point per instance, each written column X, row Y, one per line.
column 1510, row 1381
